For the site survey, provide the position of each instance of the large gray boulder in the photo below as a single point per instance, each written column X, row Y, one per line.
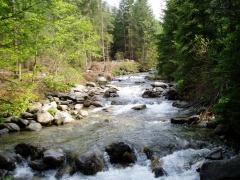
column 152, row 93
column 28, row 150
column 44, row 117
column 34, row 126
column 139, row 107
column 121, row 153
column 111, row 92
column 38, row 165
column 159, row 84
column 12, row 127
column 4, row 131
column 90, row 163
column 221, row 169
column 51, row 105
column 63, row 118
column 53, row 158
column 22, row 123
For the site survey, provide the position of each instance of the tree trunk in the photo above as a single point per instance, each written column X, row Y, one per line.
column 15, row 44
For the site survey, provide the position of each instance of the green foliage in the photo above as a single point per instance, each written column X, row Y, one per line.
column 16, row 98
column 57, row 84
column 126, row 67
column 134, row 33
column 52, row 111
column 199, row 49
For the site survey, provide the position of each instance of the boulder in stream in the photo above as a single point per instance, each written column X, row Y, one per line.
column 171, row 94
column 221, row 169
column 63, row 118
column 34, row 126
column 38, row 165
column 185, row 120
column 121, row 153
column 7, row 161
column 181, row 104
column 111, row 92
column 156, row 167
column 139, row 107
column 4, row 131
column 26, row 150
column 159, row 84
column 97, row 104
column 53, row 158
column 216, row 154
column 90, row 163
column 12, row 127
column 152, row 93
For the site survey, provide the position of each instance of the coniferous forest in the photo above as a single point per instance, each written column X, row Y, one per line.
column 199, row 49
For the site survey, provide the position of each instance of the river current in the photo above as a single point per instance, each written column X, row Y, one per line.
column 181, row 149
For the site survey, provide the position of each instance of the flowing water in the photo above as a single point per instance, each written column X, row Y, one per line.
column 181, row 149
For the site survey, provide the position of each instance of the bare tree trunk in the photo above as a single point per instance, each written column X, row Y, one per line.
column 34, row 66
column 102, row 34
column 125, row 42
column 15, row 44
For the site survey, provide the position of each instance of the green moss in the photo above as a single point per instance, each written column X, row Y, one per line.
column 52, row 111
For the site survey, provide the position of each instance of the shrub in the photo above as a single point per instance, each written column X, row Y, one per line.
column 16, row 98
column 56, row 84
column 125, row 67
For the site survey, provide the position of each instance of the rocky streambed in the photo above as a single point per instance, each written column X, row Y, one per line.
column 127, row 129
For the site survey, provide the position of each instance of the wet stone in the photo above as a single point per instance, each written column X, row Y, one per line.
column 121, row 153
column 7, row 161
column 53, row 157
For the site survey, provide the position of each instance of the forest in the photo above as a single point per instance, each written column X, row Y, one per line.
column 49, row 44
column 199, row 49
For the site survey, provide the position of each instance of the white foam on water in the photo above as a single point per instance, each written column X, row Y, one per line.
column 131, row 92
column 23, row 171
column 181, row 165
column 164, row 109
column 136, row 172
